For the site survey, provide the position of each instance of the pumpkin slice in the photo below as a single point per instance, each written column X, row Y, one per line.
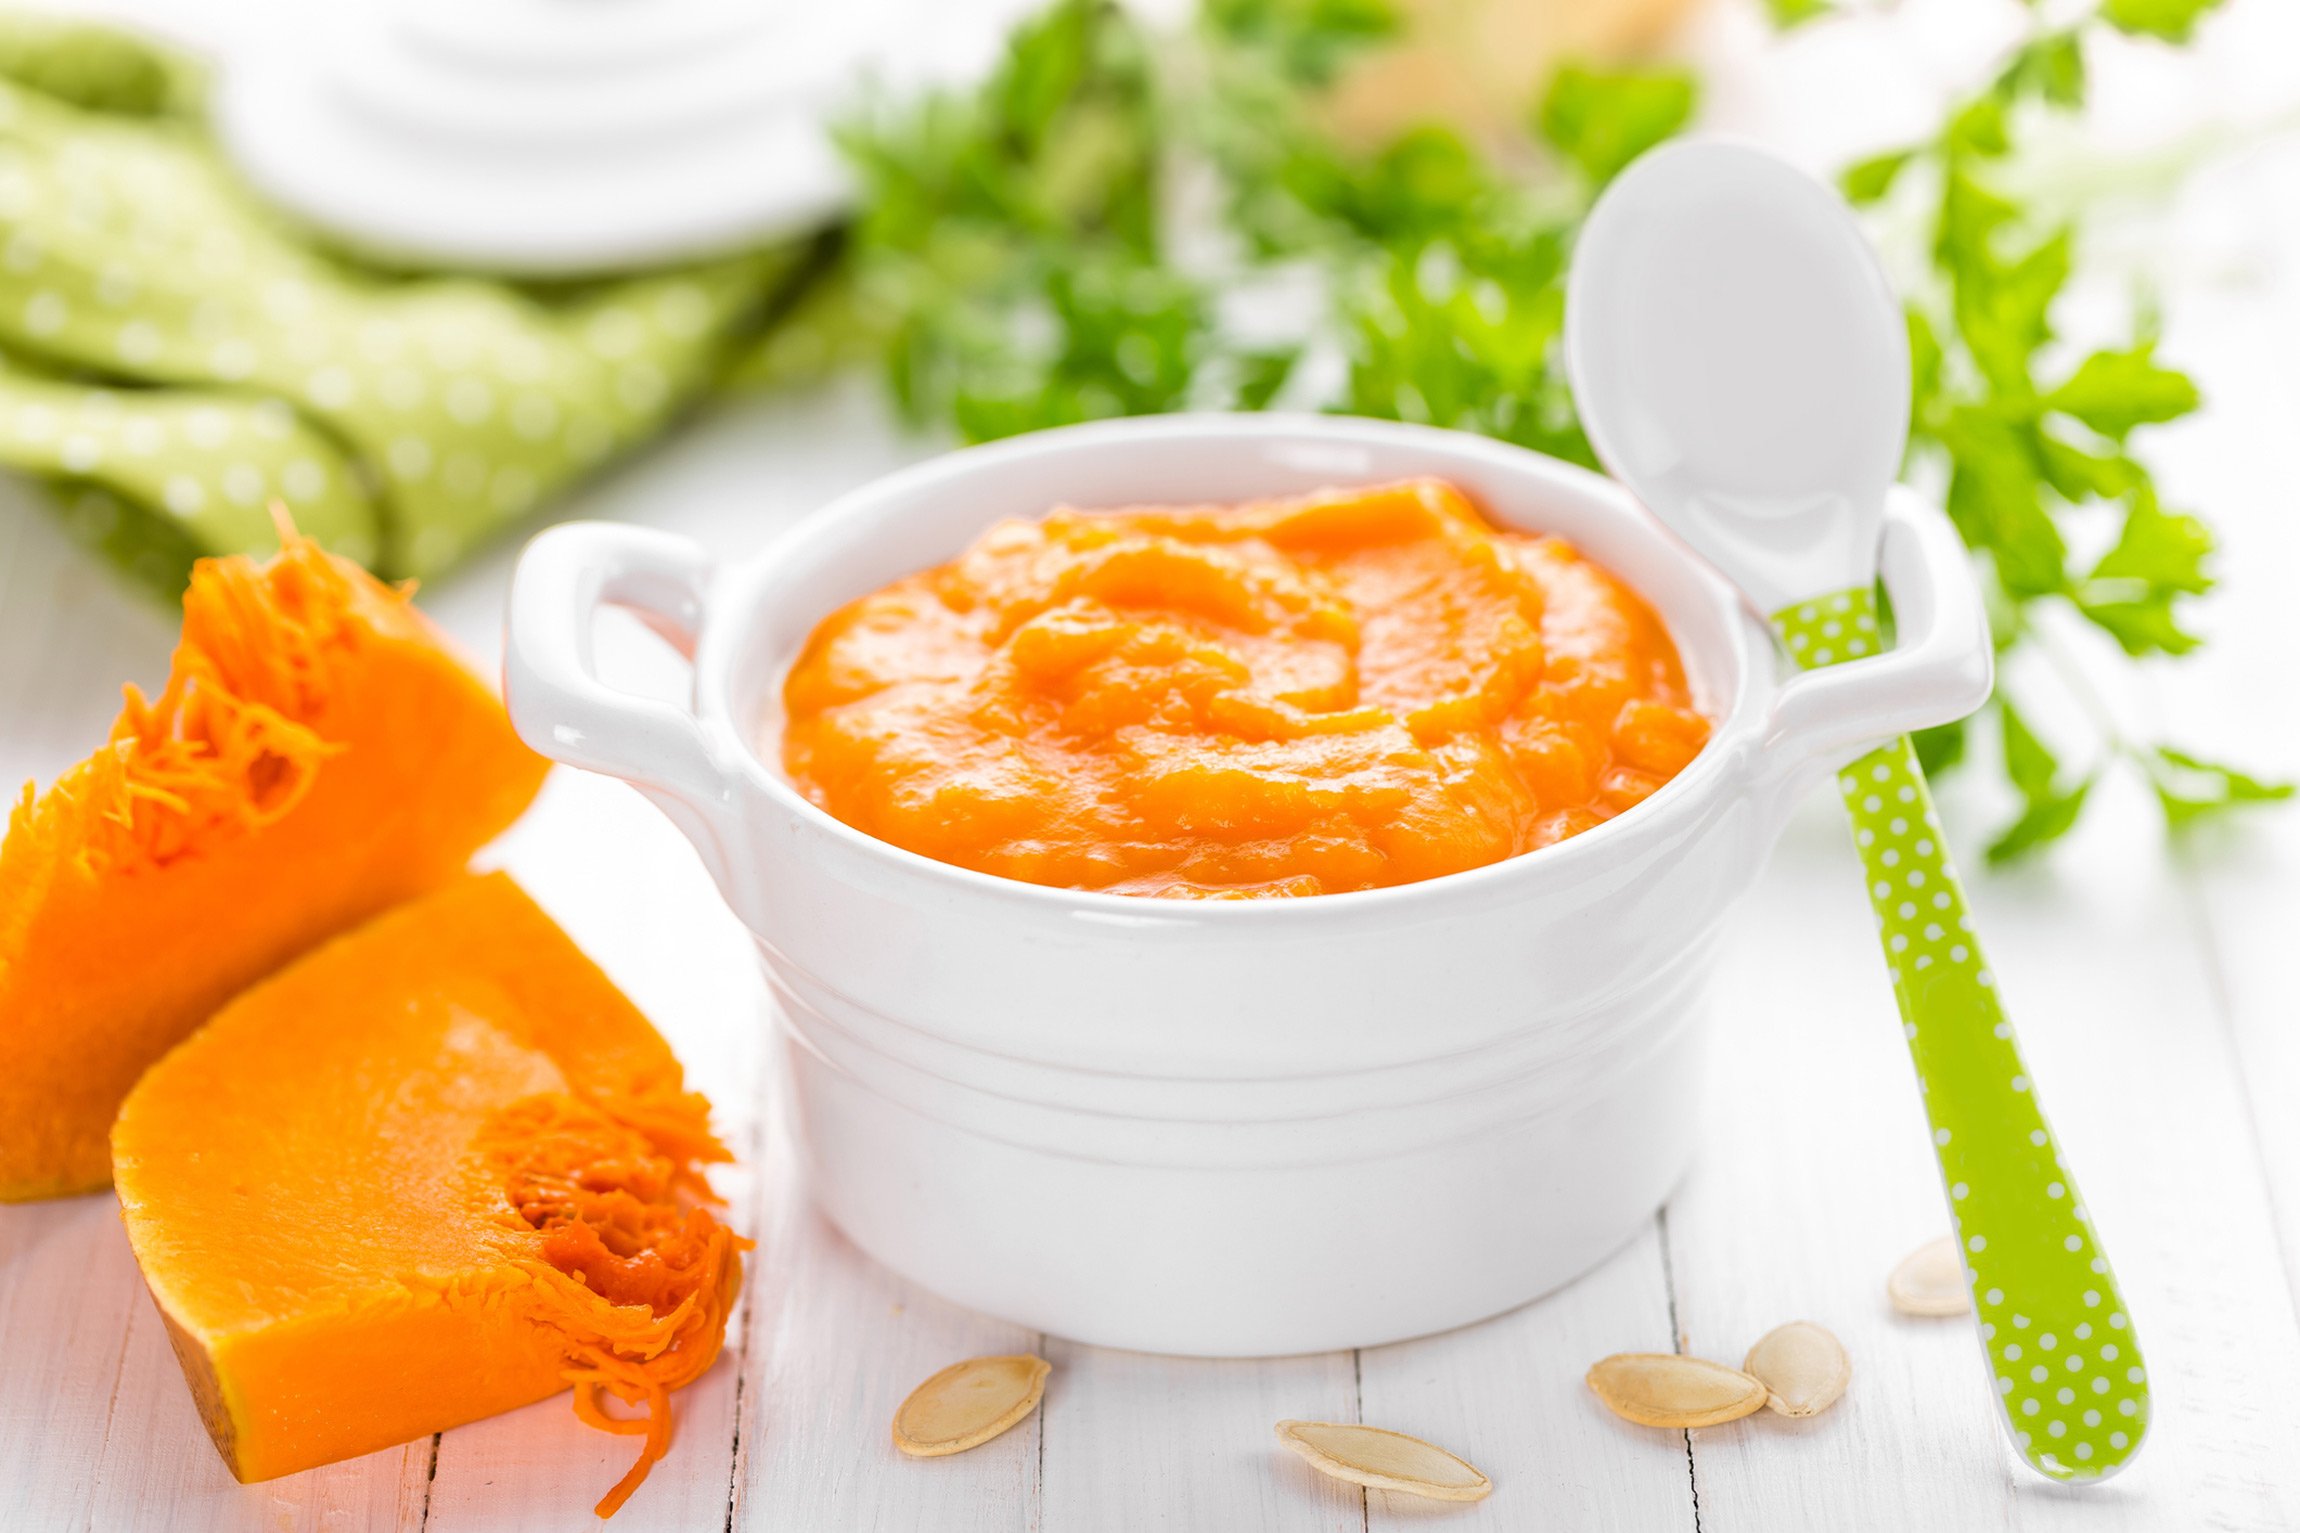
column 438, row 1168
column 318, row 755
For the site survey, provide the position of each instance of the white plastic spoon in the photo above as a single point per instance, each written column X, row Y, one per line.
column 1740, row 361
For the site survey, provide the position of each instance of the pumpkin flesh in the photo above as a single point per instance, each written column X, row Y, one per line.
column 437, row 1169
column 317, row 755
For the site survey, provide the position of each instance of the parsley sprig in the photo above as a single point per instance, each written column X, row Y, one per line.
column 1128, row 220
column 2041, row 454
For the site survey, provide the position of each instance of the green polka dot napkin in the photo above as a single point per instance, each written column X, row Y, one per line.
column 174, row 356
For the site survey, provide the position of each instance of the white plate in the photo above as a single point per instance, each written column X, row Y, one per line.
column 557, row 137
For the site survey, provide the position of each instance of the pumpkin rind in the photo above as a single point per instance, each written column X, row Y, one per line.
column 318, row 754
column 438, row 1168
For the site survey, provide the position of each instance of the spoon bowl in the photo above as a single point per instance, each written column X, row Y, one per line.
column 1740, row 359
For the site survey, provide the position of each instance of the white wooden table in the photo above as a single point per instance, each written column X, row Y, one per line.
column 2155, row 995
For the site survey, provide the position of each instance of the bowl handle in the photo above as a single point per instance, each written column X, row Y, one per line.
column 563, row 710
column 1940, row 668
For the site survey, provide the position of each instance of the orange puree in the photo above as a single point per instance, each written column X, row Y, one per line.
column 1343, row 691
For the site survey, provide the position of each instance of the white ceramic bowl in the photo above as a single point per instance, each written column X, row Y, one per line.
column 1226, row 1128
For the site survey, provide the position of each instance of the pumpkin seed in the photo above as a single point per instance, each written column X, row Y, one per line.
column 1803, row 1368
column 1384, row 1460
column 969, row 1403
column 1930, row 1281
column 1662, row 1389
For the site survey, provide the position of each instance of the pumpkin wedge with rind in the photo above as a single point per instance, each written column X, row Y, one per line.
column 436, row 1169
column 317, row 755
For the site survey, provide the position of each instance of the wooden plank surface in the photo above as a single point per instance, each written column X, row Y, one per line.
column 1508, row 1396
column 1187, row 1443
column 838, row 1341
column 2235, row 697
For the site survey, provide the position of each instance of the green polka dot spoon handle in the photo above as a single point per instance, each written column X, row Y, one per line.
column 2061, row 1350
column 1739, row 359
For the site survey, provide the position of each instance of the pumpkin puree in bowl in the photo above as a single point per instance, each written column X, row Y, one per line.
column 1341, row 691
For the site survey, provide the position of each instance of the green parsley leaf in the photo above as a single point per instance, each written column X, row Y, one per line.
column 1940, row 748
column 1970, row 216
column 1260, row 375
column 2001, row 310
column 2115, row 391
column 1867, row 181
column 1924, row 366
column 2142, row 625
column 1307, row 41
column 2163, row 548
column 2045, row 820
column 1978, row 129
column 2048, row 810
column 2077, row 475
column 2191, row 789
column 1787, row 14
column 1600, row 120
column 2133, row 591
column 1420, row 187
column 2050, row 68
column 2032, row 767
column 1995, row 499
column 2171, row 20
